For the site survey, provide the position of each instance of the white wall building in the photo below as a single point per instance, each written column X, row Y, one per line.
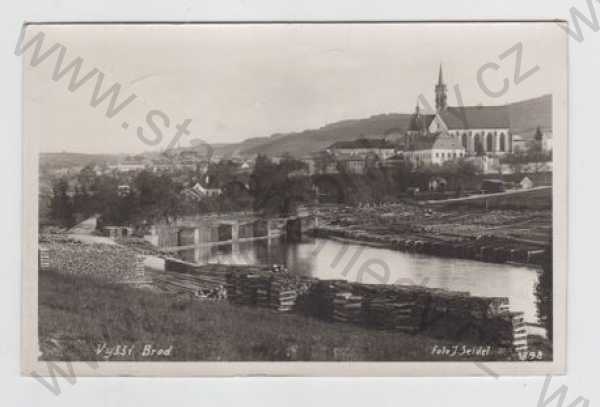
column 434, row 149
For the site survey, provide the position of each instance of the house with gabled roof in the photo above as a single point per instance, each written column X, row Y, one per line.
column 433, row 149
column 362, row 147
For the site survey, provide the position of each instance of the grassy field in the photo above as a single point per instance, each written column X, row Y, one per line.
column 78, row 316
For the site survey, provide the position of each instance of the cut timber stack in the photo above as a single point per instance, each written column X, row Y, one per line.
column 283, row 293
column 43, row 258
column 483, row 249
column 249, row 287
column 247, row 293
column 255, row 288
column 436, row 313
column 207, row 277
column 139, row 270
column 182, row 283
column 519, row 332
column 322, row 295
column 111, row 263
column 263, row 292
column 397, row 310
column 347, row 308
column 241, row 288
column 234, row 287
column 392, row 315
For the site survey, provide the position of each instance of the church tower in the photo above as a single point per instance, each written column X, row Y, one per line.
column 440, row 93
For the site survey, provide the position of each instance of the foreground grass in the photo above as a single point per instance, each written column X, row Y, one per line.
column 78, row 314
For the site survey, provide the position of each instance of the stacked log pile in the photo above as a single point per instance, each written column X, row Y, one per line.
column 411, row 309
column 243, row 287
column 272, row 288
column 348, row 308
column 477, row 249
column 519, row 342
column 283, row 295
column 395, row 308
column 395, row 314
column 43, row 258
column 192, row 277
column 187, row 283
column 459, row 316
column 321, row 296
column 263, row 292
column 288, row 291
column 101, row 261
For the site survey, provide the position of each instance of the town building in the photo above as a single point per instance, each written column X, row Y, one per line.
column 200, row 192
column 352, row 164
column 490, row 131
column 526, row 183
column 433, row 149
column 126, row 167
column 478, row 129
column 363, row 147
column 321, row 162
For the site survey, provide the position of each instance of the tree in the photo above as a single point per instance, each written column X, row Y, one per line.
column 539, row 136
column 401, row 176
column 86, row 177
column 82, row 203
column 274, row 187
column 322, row 161
column 222, row 173
column 61, row 206
column 158, row 197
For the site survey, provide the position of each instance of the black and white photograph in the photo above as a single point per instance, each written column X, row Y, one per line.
column 389, row 198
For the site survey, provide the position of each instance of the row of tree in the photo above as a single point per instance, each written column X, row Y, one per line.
column 379, row 183
column 150, row 197
column 273, row 188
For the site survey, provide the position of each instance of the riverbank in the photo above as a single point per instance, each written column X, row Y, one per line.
column 80, row 318
column 498, row 236
column 488, row 250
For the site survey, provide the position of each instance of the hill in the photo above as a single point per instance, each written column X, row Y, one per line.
column 527, row 115
column 308, row 141
column 524, row 117
column 68, row 160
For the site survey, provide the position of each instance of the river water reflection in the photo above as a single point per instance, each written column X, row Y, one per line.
column 330, row 259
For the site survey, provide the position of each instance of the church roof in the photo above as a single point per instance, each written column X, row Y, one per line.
column 476, row 117
column 520, row 117
column 420, row 122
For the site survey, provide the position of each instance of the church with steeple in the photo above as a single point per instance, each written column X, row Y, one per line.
column 462, row 131
column 441, row 93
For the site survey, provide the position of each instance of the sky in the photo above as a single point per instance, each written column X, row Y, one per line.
column 237, row 81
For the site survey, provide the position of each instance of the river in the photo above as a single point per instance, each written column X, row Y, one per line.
column 330, row 259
